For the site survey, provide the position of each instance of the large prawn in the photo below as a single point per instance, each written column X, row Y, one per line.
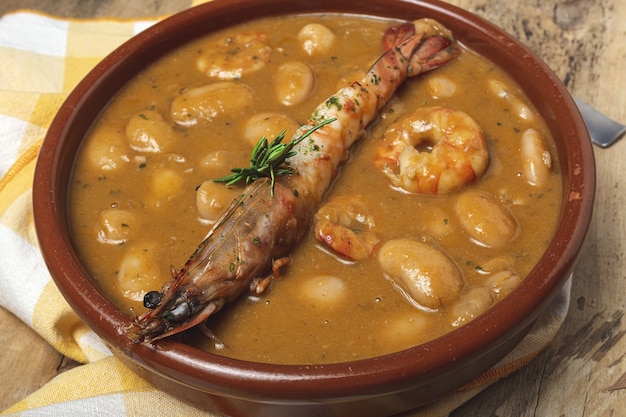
column 253, row 238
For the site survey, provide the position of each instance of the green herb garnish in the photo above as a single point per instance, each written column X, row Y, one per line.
column 269, row 159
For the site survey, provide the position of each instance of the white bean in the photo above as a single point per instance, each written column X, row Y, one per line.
column 139, row 273
column 472, row 304
column 323, row 291
column 426, row 274
column 316, row 39
column 501, row 276
column 523, row 111
column 213, row 198
column 440, row 86
column 116, row 226
column 487, row 221
column 206, row 103
column 518, row 106
column 536, row 159
column 293, row 82
column 514, row 196
column 503, row 282
column 107, row 149
column 406, row 329
column 436, row 222
column 164, row 185
column 270, row 125
column 497, row 264
column 217, row 163
column 147, row 131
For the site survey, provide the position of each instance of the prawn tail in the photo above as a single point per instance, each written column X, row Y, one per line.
column 426, row 43
column 397, row 35
column 433, row 52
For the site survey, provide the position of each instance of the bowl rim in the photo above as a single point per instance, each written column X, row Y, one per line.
column 369, row 377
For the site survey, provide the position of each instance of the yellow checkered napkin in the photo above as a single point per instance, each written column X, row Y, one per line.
column 41, row 60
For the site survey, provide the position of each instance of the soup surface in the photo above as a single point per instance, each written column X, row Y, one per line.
column 422, row 263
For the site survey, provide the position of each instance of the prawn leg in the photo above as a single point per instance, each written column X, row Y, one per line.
column 344, row 225
column 259, row 285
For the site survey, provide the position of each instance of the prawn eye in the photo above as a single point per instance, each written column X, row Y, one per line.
column 152, row 299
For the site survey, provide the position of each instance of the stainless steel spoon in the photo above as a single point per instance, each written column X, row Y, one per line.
column 603, row 130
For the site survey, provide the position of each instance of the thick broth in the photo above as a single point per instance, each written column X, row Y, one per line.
column 322, row 308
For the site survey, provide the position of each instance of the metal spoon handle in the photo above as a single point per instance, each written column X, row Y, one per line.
column 603, row 131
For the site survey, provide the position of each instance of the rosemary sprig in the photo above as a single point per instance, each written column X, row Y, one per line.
column 268, row 159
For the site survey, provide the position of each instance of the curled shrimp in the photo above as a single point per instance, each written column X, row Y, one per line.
column 433, row 150
column 344, row 225
column 234, row 56
column 252, row 240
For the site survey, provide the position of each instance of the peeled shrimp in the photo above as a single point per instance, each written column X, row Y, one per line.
column 433, row 150
column 344, row 225
column 232, row 57
column 252, row 240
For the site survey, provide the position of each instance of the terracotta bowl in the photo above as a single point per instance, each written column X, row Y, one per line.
column 380, row 386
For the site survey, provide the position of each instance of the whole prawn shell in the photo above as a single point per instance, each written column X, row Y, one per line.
column 241, row 247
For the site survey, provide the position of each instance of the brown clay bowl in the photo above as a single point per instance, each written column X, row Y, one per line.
column 375, row 387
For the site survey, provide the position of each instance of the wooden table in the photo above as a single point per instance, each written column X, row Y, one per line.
column 582, row 373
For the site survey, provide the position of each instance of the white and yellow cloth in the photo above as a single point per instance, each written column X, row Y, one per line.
column 41, row 59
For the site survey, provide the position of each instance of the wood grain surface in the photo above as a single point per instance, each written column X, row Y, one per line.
column 582, row 372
